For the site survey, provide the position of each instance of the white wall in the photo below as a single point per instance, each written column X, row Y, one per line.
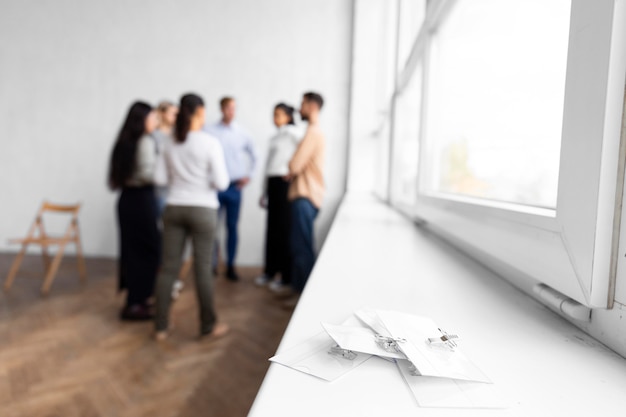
column 70, row 69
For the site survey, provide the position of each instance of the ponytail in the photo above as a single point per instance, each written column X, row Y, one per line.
column 188, row 105
column 289, row 111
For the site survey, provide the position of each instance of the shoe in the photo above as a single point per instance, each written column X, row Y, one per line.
column 219, row 330
column 277, row 287
column 291, row 303
column 231, row 275
column 262, row 280
column 177, row 288
column 136, row 312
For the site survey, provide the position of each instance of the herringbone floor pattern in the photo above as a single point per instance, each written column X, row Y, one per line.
column 68, row 355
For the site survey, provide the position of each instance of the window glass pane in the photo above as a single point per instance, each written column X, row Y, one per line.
column 412, row 14
column 406, row 140
column 381, row 180
column 495, row 100
column 384, row 49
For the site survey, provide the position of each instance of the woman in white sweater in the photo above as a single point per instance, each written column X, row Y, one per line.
column 194, row 170
column 282, row 147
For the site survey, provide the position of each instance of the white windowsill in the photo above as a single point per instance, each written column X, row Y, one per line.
column 374, row 257
column 492, row 204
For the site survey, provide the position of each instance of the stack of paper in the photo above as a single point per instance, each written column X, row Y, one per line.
column 438, row 374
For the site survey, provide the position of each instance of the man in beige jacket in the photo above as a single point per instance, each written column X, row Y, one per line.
column 306, row 191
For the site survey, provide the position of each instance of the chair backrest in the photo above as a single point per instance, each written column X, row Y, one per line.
column 60, row 208
column 47, row 207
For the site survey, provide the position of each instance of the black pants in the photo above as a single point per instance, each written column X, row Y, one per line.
column 277, row 259
column 140, row 243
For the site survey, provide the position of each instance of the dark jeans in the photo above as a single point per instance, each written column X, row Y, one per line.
column 140, row 243
column 303, row 214
column 161, row 197
column 230, row 202
column 180, row 222
column 277, row 257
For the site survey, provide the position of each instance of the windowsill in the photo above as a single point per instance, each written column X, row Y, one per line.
column 543, row 218
column 374, row 257
column 492, row 204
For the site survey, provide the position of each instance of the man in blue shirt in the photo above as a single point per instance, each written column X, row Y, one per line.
column 240, row 158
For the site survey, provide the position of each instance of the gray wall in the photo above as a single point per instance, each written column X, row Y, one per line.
column 69, row 70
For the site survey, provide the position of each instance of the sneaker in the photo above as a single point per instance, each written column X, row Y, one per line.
column 278, row 287
column 231, row 275
column 177, row 288
column 262, row 280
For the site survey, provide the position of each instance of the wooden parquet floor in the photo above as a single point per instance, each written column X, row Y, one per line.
column 68, row 355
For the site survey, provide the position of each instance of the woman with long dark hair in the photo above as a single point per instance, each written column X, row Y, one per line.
column 132, row 170
column 282, row 147
column 195, row 170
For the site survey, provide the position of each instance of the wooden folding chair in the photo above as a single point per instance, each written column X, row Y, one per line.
column 37, row 236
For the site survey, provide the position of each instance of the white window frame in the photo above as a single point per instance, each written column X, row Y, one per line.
column 569, row 248
column 395, row 199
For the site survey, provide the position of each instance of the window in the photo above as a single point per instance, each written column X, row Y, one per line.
column 519, row 137
column 495, row 103
column 407, row 115
column 381, row 180
column 410, row 20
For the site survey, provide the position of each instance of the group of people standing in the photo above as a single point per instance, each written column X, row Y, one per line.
column 177, row 174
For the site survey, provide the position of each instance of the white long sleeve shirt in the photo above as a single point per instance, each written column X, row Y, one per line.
column 282, row 147
column 194, row 170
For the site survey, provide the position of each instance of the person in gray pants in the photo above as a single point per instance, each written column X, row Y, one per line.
column 194, row 169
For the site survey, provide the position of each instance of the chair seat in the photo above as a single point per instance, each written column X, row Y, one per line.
column 44, row 241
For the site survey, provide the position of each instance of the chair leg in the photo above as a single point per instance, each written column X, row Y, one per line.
column 46, row 257
column 14, row 268
column 82, row 269
column 54, row 267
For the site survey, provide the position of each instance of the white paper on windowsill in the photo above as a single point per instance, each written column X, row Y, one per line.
column 312, row 357
column 435, row 392
column 429, row 360
column 371, row 319
column 358, row 339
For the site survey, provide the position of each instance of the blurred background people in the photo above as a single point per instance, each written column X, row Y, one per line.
column 167, row 111
column 275, row 188
column 195, row 170
column 306, row 192
column 240, row 158
column 132, row 170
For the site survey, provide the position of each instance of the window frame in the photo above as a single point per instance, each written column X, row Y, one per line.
column 568, row 248
column 394, row 196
